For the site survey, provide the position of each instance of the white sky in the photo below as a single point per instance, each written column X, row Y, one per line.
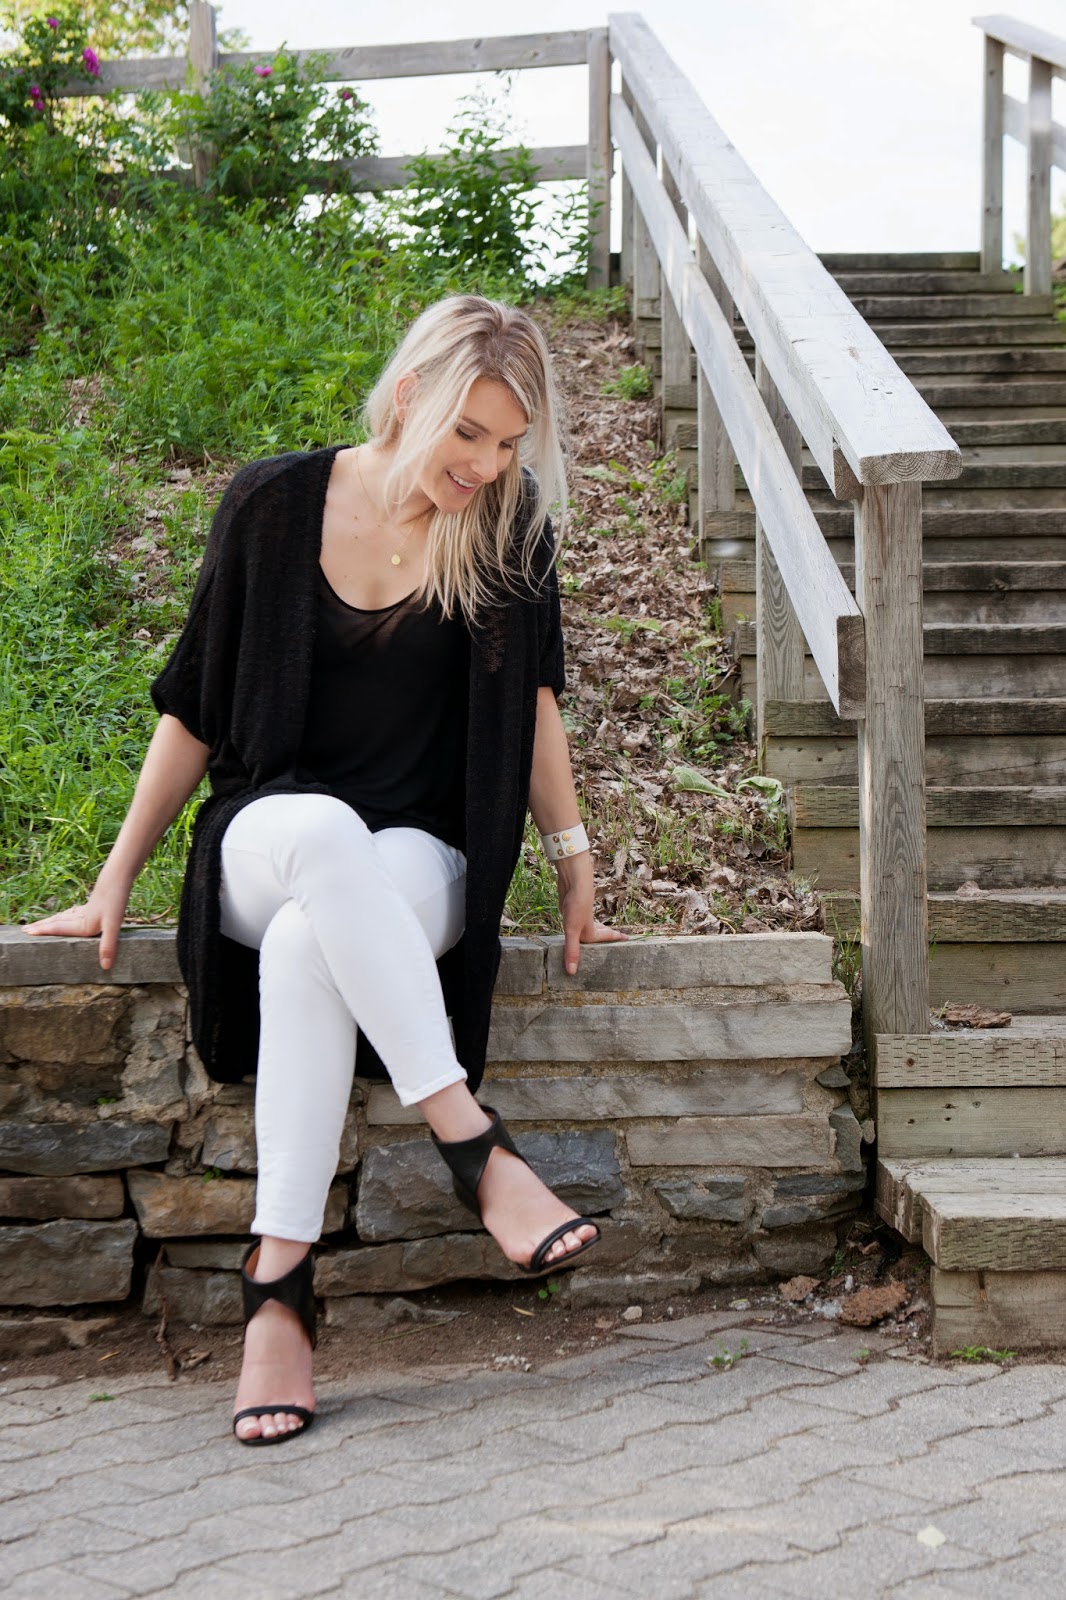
column 862, row 118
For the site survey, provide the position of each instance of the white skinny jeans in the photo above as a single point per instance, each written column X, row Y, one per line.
column 348, row 925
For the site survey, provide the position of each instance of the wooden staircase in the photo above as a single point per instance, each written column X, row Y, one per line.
column 971, row 1126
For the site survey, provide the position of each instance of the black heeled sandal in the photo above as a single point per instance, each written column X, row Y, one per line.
column 468, row 1159
column 294, row 1289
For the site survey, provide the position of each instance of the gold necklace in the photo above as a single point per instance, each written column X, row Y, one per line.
column 396, row 558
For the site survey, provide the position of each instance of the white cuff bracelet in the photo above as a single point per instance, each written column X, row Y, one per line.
column 565, row 842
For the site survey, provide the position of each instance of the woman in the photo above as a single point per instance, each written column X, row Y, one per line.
column 368, row 673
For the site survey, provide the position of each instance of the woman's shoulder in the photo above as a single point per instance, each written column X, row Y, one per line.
column 265, row 471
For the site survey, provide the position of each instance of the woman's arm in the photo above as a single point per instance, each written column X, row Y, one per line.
column 553, row 804
column 173, row 766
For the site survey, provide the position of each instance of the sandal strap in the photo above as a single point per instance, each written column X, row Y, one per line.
column 305, row 1416
column 468, row 1158
column 536, row 1260
column 294, row 1289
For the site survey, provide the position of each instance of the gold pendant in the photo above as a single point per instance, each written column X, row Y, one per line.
column 396, row 559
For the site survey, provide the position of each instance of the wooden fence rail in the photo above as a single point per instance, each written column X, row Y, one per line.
column 1030, row 122
column 822, row 377
column 357, row 64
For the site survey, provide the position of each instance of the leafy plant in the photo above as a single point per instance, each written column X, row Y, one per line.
column 629, row 383
column 981, row 1352
column 727, row 1358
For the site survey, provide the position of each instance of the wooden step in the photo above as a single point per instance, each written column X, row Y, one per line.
column 958, row 718
column 964, row 639
column 994, row 432
column 1006, row 1216
column 953, row 591
column 963, row 660
column 1006, row 838
column 1003, row 948
column 973, row 392
column 989, row 333
column 964, row 358
column 986, row 473
column 1003, row 916
column 901, row 261
column 836, row 805
column 905, row 1186
column 1008, row 857
column 927, row 283
column 876, row 307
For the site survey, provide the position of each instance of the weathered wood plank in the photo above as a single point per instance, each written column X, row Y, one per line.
column 716, row 469
column 599, row 158
column 1000, row 1057
column 999, row 1310
column 891, row 763
column 943, row 717
column 902, row 1186
column 995, row 858
column 1002, row 917
column 1019, row 758
column 1023, row 40
column 779, row 669
column 827, row 613
column 1038, row 208
column 833, row 805
column 963, row 1121
column 1008, row 1232
column 835, row 376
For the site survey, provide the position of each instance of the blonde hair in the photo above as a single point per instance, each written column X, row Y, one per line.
column 454, row 342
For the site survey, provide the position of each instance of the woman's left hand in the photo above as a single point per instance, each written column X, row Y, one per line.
column 577, row 898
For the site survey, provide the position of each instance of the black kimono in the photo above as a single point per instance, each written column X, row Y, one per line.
column 238, row 680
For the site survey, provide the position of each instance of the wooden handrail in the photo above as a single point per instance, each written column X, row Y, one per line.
column 1030, row 123
column 829, row 617
column 1024, row 41
column 848, row 396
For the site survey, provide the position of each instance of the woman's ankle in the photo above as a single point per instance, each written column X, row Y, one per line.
column 275, row 1257
column 454, row 1114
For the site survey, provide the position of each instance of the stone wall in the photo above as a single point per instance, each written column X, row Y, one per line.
column 688, row 1092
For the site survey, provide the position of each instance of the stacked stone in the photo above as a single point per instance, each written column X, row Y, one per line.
column 686, row 1091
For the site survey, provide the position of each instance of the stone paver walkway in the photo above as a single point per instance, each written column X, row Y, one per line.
column 637, row 1469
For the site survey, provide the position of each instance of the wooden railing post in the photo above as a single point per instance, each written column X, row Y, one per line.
column 203, row 60
column 992, row 160
column 599, row 159
column 1038, row 222
column 716, row 470
column 647, row 277
column 677, row 392
column 779, row 642
column 892, row 871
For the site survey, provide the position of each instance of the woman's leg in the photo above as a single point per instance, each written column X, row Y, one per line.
column 307, row 1052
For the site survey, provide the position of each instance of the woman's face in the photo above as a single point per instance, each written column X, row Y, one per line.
column 482, row 445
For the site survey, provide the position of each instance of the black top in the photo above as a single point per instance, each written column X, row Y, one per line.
column 386, row 713
column 238, row 679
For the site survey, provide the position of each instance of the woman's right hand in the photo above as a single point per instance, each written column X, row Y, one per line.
column 101, row 914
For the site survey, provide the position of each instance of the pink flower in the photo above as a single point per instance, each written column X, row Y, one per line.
column 36, row 98
column 346, row 94
column 92, row 62
column 53, row 22
column 263, row 72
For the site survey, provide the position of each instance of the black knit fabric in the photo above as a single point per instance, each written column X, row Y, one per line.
column 238, row 679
